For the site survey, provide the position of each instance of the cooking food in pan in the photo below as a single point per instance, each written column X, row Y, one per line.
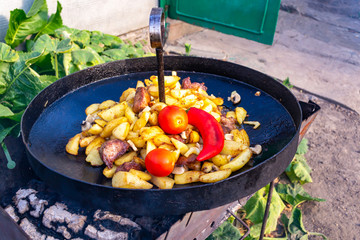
column 143, row 142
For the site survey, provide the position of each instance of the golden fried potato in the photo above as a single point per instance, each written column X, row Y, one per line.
column 109, row 173
column 153, row 119
column 207, row 167
column 109, row 127
column 115, row 111
column 128, row 180
column 121, row 131
column 241, row 136
column 94, row 158
column 130, row 115
column 230, row 114
column 232, row 148
column 106, row 104
column 240, row 114
column 92, row 108
column 86, row 140
column 215, row 176
column 166, row 146
column 72, row 146
column 95, row 129
column 220, row 159
column 239, row 161
column 150, row 146
column 142, row 121
column 126, row 93
column 179, row 145
column 163, row 182
column 143, row 175
column 96, row 143
column 100, row 122
column 194, row 137
column 148, row 133
column 188, row 177
column 161, row 139
column 127, row 157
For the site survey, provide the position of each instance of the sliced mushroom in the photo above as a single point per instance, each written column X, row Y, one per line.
column 234, row 97
column 257, row 149
column 179, row 170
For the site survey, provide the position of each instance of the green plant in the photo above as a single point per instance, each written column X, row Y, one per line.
column 52, row 51
column 287, row 83
column 292, row 195
column 187, row 49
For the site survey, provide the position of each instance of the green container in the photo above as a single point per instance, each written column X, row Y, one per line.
column 252, row 19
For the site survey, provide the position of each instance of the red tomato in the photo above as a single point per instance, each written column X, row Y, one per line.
column 173, row 119
column 160, row 162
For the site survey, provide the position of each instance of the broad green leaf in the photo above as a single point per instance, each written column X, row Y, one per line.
column 46, row 80
column 96, row 48
column 296, row 226
column 5, row 76
column 226, row 231
column 287, row 83
column 303, row 147
column 20, row 26
column 38, row 5
column 255, row 209
column 5, row 111
column 53, row 23
column 84, row 58
column 64, row 32
column 105, row 40
column 7, row 54
column 29, row 43
column 115, row 54
column 299, row 170
column 47, row 45
column 63, row 46
column 81, row 37
column 294, row 194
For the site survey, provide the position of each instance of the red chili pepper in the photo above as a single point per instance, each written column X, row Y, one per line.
column 210, row 131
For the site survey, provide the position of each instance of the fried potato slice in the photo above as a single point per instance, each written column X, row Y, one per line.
column 72, row 146
column 179, row 145
column 240, row 114
column 109, row 173
column 188, row 177
column 215, row 176
column 241, row 136
column 127, row 157
column 95, row 129
column 86, row 140
column 106, row 104
column 92, row 108
column 239, row 161
column 143, row 175
column 232, row 148
column 128, row 180
column 121, row 131
column 109, row 127
column 163, row 182
column 220, row 159
column 96, row 143
column 94, row 158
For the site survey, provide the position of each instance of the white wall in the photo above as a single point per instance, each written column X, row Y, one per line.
column 110, row 16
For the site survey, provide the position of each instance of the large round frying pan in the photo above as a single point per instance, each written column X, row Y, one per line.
column 56, row 113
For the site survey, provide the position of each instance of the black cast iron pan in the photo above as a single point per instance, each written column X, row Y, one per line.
column 55, row 115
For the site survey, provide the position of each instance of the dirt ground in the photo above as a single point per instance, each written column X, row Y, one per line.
column 316, row 45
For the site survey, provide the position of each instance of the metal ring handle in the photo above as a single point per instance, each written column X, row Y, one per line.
column 157, row 28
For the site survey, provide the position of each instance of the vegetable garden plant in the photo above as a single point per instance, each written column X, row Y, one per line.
column 52, row 51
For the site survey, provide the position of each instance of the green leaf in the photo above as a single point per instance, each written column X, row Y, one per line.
column 226, row 231
column 115, row 54
column 296, row 226
column 84, row 58
column 187, row 49
column 5, row 111
column 287, row 83
column 255, row 209
column 7, row 54
column 21, row 26
column 5, row 76
column 82, row 38
column 38, row 5
column 302, row 147
column 299, row 170
column 294, row 194
column 47, row 45
column 53, row 23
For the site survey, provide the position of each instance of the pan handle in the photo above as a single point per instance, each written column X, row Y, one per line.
column 309, row 112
